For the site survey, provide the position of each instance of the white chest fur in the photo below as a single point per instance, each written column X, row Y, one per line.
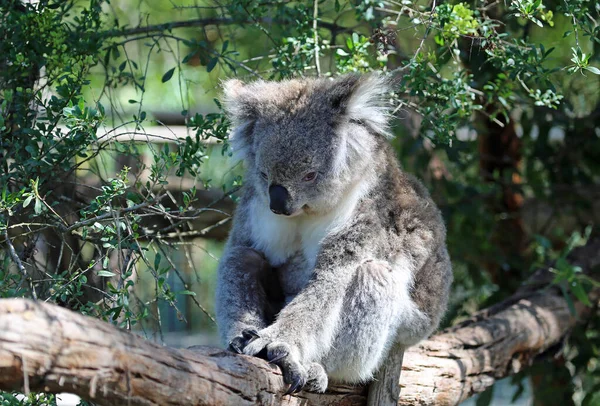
column 279, row 237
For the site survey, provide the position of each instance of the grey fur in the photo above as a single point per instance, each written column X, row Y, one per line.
column 362, row 262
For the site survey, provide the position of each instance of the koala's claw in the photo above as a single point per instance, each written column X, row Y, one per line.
column 295, row 386
column 250, row 334
column 233, row 346
column 277, row 358
column 294, row 374
column 238, row 343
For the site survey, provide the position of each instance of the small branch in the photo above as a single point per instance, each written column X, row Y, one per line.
column 186, row 234
column 111, row 214
column 200, row 22
column 316, row 36
column 17, row 261
column 432, row 13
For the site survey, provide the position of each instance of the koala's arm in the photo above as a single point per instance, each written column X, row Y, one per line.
column 240, row 297
column 308, row 323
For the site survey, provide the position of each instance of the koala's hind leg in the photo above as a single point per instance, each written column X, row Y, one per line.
column 376, row 307
column 248, row 296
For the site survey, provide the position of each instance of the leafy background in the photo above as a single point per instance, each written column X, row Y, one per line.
column 116, row 187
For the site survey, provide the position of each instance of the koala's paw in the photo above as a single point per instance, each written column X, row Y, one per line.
column 239, row 343
column 268, row 345
column 285, row 356
column 317, row 378
column 294, row 374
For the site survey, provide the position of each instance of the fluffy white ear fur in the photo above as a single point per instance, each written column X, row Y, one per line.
column 238, row 103
column 367, row 104
column 241, row 100
column 367, row 112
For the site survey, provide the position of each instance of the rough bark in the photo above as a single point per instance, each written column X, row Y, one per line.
column 385, row 391
column 47, row 348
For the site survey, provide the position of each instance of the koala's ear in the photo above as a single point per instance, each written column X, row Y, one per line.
column 239, row 100
column 241, row 107
column 362, row 99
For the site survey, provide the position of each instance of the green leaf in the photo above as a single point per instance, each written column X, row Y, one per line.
column 27, row 201
column 32, row 149
column 107, row 274
column 157, row 259
column 569, row 300
column 37, row 208
column 485, row 398
column 536, row 21
column 224, row 47
column 187, row 292
column 211, row 64
column 580, row 293
column 168, row 75
column 593, row 69
column 189, row 56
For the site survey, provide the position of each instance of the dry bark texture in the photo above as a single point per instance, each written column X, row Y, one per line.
column 47, row 348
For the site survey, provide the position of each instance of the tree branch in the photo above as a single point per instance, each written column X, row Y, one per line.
column 52, row 349
column 201, row 22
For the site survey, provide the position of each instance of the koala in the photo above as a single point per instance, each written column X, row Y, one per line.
column 335, row 255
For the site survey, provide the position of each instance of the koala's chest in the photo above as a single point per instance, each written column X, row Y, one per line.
column 281, row 239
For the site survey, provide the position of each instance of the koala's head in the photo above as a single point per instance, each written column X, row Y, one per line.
column 306, row 143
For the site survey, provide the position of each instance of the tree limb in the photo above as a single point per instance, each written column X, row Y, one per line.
column 201, row 22
column 47, row 348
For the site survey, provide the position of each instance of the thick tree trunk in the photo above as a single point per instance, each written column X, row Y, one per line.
column 47, row 348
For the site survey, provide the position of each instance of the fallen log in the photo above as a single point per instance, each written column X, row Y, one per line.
column 47, row 348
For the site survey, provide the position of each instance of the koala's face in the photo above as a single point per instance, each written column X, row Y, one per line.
column 294, row 166
column 305, row 142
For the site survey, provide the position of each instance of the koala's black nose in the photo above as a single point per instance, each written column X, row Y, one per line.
column 278, row 196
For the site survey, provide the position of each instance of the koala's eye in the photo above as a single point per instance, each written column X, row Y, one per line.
column 264, row 175
column 310, row 176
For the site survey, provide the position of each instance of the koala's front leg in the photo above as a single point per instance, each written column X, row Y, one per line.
column 242, row 306
column 305, row 328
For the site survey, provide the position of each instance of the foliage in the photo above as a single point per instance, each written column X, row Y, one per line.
column 497, row 104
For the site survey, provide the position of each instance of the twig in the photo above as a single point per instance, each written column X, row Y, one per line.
column 206, row 21
column 185, row 285
column 26, row 389
column 316, row 36
column 192, row 233
column 108, row 215
column 426, row 30
column 17, row 261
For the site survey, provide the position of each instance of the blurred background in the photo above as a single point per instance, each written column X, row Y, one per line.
column 117, row 182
